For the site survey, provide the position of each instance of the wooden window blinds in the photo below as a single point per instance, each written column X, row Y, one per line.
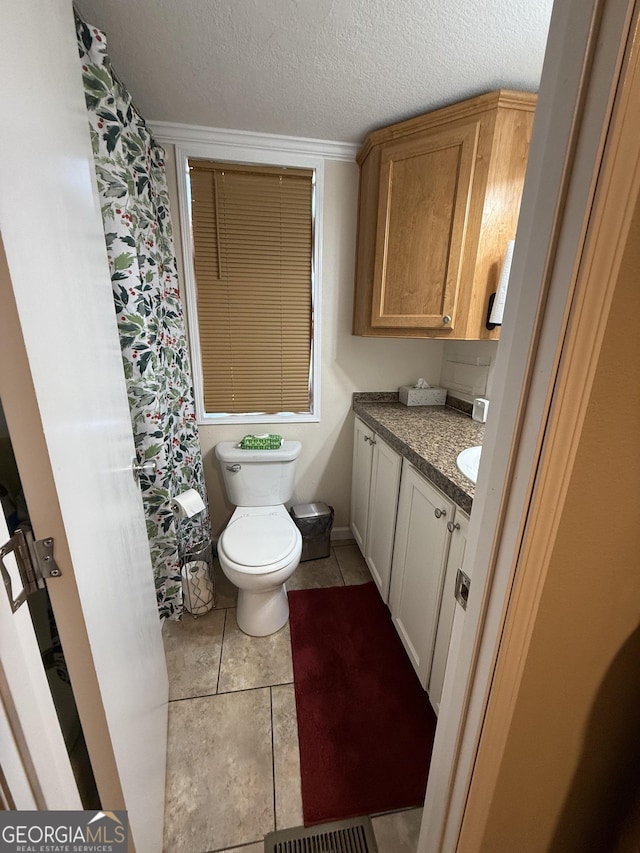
column 252, row 238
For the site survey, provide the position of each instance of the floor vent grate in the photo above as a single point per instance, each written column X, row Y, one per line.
column 341, row 836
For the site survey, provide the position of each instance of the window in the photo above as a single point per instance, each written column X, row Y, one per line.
column 252, row 302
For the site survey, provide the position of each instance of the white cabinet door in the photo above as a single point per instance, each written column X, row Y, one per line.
column 457, row 547
column 361, row 481
column 419, row 560
column 383, row 503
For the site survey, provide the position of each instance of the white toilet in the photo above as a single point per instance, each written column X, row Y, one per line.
column 260, row 547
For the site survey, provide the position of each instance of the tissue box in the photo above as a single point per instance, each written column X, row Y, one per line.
column 411, row 396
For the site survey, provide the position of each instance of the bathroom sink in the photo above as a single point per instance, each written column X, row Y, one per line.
column 468, row 461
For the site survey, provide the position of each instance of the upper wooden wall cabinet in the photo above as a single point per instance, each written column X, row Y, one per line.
column 439, row 200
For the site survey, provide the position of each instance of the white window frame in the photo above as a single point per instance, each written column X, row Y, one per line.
column 247, row 155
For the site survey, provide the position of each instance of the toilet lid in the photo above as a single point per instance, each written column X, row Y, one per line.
column 259, row 540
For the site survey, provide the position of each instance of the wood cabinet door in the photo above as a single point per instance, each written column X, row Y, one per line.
column 383, row 503
column 423, row 206
column 361, row 481
column 447, row 609
column 419, row 558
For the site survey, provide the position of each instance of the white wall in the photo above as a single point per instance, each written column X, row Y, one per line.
column 348, row 363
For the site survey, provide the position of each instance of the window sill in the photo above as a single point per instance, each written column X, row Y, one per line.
column 209, row 420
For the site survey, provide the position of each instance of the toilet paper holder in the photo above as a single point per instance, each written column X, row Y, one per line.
column 187, row 504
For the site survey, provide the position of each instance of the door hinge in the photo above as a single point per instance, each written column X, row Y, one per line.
column 34, row 559
column 463, row 585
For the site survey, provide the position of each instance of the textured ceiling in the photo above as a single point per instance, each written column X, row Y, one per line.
column 324, row 69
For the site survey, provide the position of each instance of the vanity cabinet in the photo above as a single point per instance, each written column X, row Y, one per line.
column 428, row 550
column 439, row 201
column 374, row 500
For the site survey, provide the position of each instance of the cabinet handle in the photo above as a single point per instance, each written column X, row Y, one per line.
column 372, row 440
column 451, row 526
column 446, row 319
column 439, row 512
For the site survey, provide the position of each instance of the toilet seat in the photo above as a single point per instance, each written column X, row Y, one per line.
column 259, row 543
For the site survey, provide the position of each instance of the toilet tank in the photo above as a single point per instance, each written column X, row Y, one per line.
column 258, row 477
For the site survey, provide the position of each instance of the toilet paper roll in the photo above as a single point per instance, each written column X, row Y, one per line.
column 197, row 587
column 187, row 504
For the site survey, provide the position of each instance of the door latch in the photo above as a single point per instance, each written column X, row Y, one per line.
column 34, row 559
column 463, row 585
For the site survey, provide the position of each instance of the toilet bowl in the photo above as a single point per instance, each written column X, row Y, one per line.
column 259, row 550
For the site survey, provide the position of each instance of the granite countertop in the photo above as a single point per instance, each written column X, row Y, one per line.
column 429, row 437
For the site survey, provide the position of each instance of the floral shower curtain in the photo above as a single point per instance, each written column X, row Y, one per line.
column 135, row 211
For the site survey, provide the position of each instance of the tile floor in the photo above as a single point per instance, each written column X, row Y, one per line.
column 233, row 770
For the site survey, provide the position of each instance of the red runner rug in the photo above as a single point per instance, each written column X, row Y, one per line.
column 365, row 724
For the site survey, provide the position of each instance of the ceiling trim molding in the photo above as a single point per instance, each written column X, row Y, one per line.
column 179, row 134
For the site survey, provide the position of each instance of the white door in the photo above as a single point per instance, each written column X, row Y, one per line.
column 62, row 389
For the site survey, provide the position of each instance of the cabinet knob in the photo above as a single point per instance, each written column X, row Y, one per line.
column 446, row 319
column 439, row 512
column 451, row 526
